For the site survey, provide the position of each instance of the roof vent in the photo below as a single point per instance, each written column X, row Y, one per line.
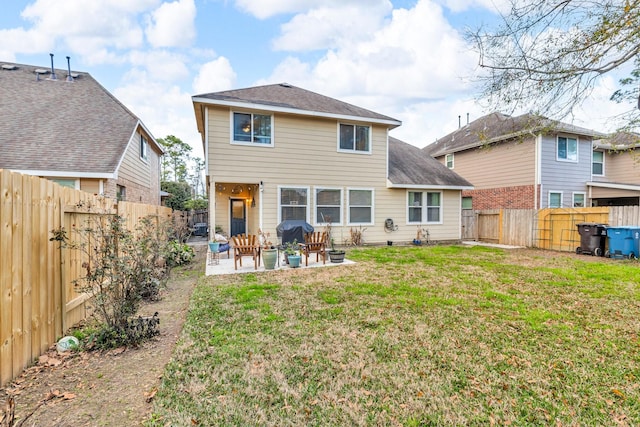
column 53, row 71
column 74, row 75
column 69, row 76
column 8, row 67
column 285, row 85
column 41, row 71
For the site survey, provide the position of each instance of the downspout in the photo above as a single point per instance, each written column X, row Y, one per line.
column 260, row 203
column 537, row 178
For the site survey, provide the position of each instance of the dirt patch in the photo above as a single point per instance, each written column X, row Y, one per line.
column 114, row 388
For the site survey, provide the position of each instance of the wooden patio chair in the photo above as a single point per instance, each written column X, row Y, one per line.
column 315, row 242
column 245, row 246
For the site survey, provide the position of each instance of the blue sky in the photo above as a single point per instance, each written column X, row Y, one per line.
column 403, row 58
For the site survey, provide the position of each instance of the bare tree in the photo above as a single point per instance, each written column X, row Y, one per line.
column 547, row 56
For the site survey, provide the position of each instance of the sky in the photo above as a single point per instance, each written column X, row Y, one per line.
column 407, row 59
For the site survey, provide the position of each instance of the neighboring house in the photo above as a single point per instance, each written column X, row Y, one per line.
column 616, row 171
column 523, row 162
column 279, row 152
column 72, row 131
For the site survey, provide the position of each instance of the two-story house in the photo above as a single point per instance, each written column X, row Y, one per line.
column 522, row 162
column 279, row 152
column 66, row 127
column 616, row 171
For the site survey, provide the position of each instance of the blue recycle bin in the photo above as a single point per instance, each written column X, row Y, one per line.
column 624, row 242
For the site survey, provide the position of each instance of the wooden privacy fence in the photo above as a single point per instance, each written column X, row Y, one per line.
column 38, row 301
column 555, row 229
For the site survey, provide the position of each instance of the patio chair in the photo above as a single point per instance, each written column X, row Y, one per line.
column 315, row 242
column 245, row 246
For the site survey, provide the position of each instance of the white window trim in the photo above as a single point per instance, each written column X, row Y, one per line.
column 584, row 199
column 373, row 203
column 315, row 206
column 425, row 215
column 555, row 192
column 577, row 148
column 354, row 151
column 446, row 161
column 280, row 187
column 603, row 157
column 250, row 143
column 143, row 146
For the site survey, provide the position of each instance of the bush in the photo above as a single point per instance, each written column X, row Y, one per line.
column 121, row 269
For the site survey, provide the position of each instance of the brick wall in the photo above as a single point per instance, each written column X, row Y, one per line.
column 518, row 197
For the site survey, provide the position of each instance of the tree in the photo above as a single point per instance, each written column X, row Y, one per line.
column 547, row 56
column 175, row 159
column 180, row 193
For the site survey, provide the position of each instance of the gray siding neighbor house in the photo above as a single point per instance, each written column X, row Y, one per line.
column 616, row 170
column 71, row 130
column 521, row 162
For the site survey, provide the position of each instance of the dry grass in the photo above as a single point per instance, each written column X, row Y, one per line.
column 413, row 336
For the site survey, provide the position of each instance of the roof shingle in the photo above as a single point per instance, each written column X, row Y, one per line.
column 58, row 125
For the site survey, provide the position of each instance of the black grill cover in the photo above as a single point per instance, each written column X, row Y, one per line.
column 293, row 229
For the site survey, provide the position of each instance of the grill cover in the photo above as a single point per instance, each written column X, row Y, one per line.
column 293, row 229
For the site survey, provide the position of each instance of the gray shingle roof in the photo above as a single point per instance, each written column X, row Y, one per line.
column 286, row 96
column 58, row 125
column 497, row 127
column 411, row 166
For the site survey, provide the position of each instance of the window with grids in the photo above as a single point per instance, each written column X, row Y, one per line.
column 252, row 128
column 354, row 138
column 328, row 206
column 360, row 206
column 293, row 203
column 424, row 207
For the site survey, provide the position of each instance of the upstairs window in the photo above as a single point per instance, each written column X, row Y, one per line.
column 354, row 138
column 597, row 163
column 567, row 149
column 448, row 159
column 144, row 148
column 249, row 128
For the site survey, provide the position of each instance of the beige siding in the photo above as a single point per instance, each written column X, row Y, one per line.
column 505, row 164
column 305, row 155
column 606, row 193
column 622, row 167
column 90, row 185
column 140, row 177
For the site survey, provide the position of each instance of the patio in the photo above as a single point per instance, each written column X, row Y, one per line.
column 225, row 265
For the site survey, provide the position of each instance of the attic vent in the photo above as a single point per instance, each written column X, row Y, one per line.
column 41, row 71
column 285, row 85
column 75, row 75
column 8, row 67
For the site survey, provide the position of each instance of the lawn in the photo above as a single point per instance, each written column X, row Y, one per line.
column 412, row 336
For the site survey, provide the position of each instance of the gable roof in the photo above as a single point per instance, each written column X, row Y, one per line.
column 411, row 167
column 62, row 126
column 618, row 141
column 286, row 98
column 497, row 127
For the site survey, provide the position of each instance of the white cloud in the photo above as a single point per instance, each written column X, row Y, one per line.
column 160, row 65
column 326, row 27
column 88, row 26
column 263, row 9
column 164, row 109
column 214, row 76
column 172, row 24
